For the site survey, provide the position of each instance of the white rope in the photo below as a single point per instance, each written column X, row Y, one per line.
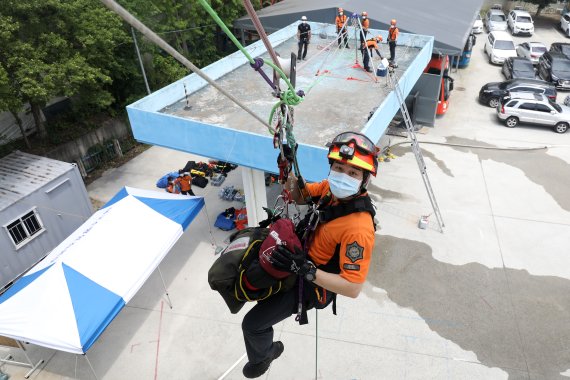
column 135, row 23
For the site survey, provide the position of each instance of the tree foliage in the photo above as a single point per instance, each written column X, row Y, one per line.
column 59, row 48
column 79, row 49
column 541, row 4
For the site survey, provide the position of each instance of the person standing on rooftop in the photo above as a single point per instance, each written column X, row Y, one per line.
column 304, row 37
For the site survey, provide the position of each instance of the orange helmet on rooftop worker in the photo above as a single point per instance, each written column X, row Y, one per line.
column 364, row 14
column 340, row 10
column 393, row 22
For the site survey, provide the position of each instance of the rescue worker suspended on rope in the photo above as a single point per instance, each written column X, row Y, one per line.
column 342, row 33
column 338, row 257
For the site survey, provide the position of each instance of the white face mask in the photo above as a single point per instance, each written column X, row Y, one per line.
column 342, row 185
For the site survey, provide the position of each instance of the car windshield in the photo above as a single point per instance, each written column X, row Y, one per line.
column 555, row 106
column 504, row 45
column 498, row 17
column 524, row 19
column 538, row 49
column 561, row 65
column 520, row 64
column 565, row 49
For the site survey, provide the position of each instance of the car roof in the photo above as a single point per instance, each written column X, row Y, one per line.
column 559, row 44
column 520, row 12
column 556, row 55
column 501, row 35
column 497, row 11
column 527, row 96
column 527, row 81
column 520, row 60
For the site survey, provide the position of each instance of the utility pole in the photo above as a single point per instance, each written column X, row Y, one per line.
column 140, row 60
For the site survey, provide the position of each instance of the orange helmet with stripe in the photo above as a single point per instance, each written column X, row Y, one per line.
column 355, row 149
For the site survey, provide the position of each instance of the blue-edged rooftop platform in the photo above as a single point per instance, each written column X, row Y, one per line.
column 190, row 115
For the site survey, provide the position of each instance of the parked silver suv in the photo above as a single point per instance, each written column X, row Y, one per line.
column 520, row 107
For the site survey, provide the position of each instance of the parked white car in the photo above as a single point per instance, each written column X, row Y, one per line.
column 520, row 22
column 495, row 20
column 565, row 24
column 532, row 51
column 499, row 46
column 478, row 24
column 533, row 109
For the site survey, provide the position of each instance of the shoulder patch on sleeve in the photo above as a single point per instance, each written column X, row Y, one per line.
column 354, row 252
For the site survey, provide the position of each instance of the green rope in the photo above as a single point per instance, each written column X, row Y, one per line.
column 289, row 96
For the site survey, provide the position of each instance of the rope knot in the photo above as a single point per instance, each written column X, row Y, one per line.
column 290, row 98
column 257, row 63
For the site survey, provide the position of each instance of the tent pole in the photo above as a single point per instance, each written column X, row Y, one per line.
column 90, row 366
column 232, row 367
column 164, row 284
column 316, row 343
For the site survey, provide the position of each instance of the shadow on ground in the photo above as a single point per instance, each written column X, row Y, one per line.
column 508, row 318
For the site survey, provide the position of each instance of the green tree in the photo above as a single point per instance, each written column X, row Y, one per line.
column 9, row 99
column 52, row 48
column 541, row 5
column 187, row 27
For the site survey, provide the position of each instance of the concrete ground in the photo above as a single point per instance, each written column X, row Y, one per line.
column 487, row 299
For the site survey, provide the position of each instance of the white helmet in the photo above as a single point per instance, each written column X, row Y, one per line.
column 304, row 18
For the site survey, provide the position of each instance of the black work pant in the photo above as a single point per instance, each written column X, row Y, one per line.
column 377, row 52
column 392, row 45
column 305, row 44
column 189, row 192
column 258, row 323
column 342, row 36
column 365, row 58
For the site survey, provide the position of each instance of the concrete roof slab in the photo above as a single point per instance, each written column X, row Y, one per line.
column 207, row 123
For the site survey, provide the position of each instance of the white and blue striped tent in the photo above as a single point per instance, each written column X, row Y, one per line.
column 67, row 300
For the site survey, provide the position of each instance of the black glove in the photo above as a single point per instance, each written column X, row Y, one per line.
column 287, row 261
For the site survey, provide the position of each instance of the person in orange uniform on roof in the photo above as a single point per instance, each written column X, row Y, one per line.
column 185, row 183
column 340, row 20
column 372, row 44
column 338, row 256
column 365, row 21
column 392, row 37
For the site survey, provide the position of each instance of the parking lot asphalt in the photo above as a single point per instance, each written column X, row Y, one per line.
column 487, row 299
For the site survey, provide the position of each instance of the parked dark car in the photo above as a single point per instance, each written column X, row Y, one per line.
column 516, row 67
column 561, row 47
column 555, row 68
column 491, row 93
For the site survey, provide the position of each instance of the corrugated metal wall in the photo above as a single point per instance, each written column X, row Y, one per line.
column 62, row 205
column 9, row 129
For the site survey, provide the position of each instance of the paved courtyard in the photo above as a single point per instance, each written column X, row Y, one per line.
column 487, row 299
